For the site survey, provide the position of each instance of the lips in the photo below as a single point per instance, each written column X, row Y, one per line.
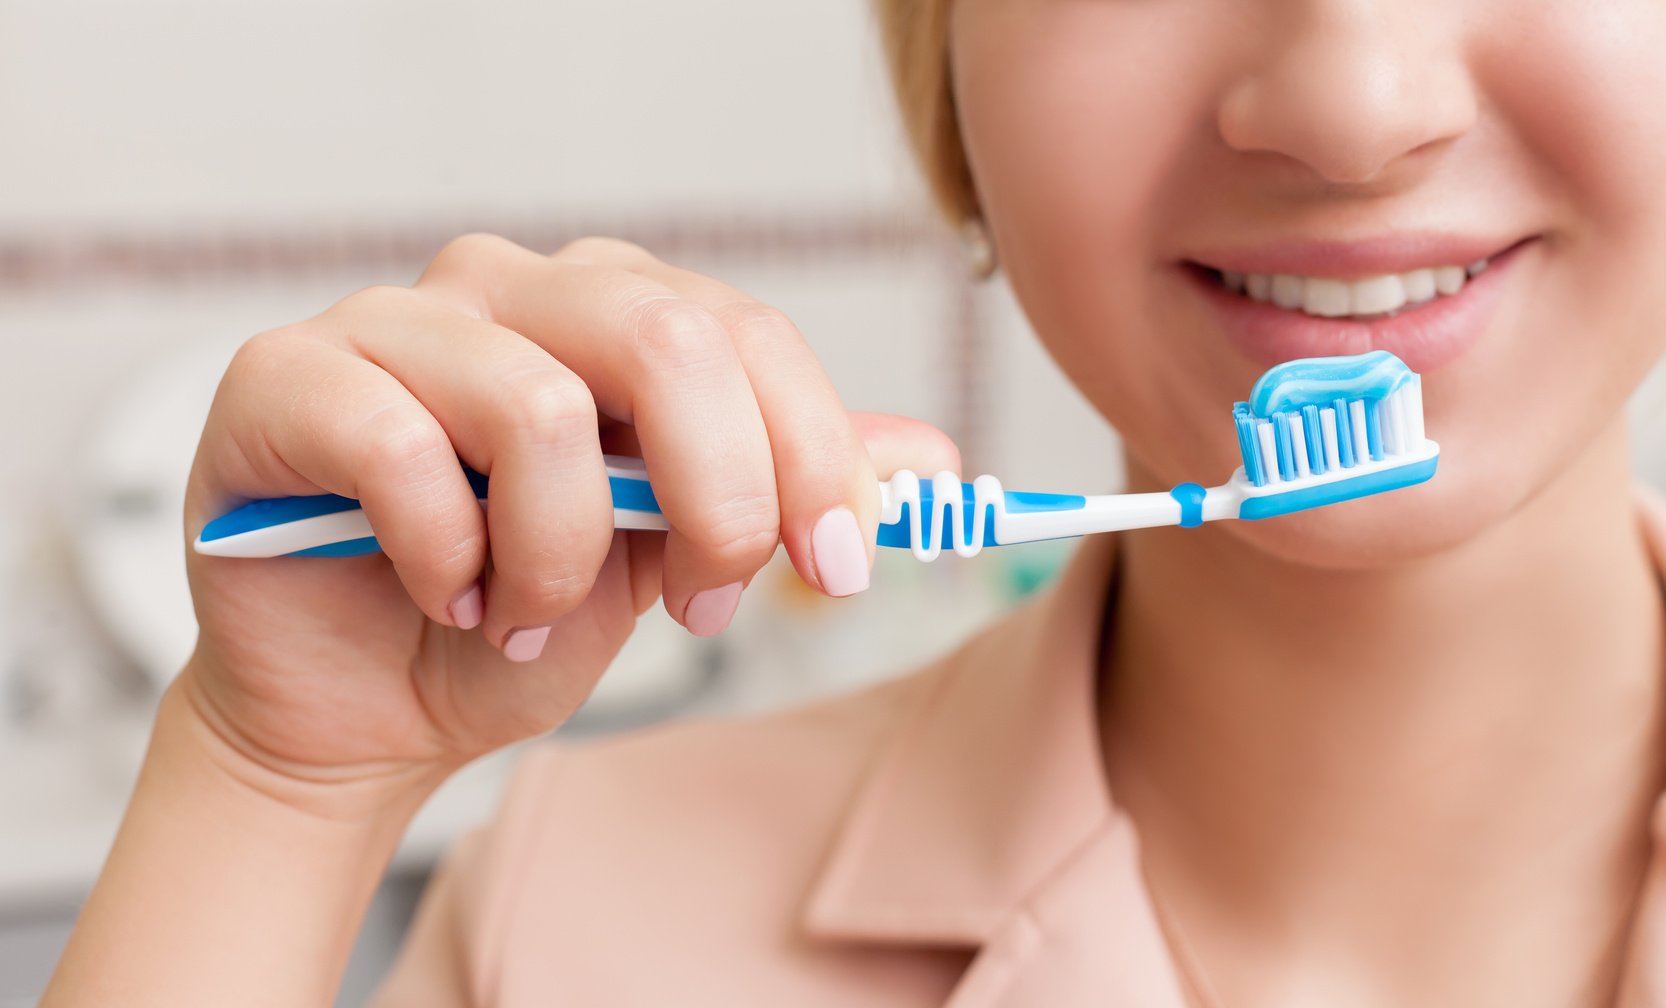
column 1426, row 335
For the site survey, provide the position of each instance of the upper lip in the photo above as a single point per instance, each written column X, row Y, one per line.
column 1345, row 259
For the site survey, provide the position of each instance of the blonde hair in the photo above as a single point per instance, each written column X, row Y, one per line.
column 915, row 34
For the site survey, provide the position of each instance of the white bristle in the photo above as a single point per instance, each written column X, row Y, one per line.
column 1387, row 415
column 1298, row 445
column 1327, row 428
column 1269, row 451
column 1414, row 411
column 1402, row 430
column 1356, row 420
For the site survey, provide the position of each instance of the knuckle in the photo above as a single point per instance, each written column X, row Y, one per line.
column 546, row 401
column 597, row 249
column 755, row 317
column 258, row 354
column 674, row 334
column 377, row 299
column 469, row 253
column 743, row 528
column 404, row 445
column 546, row 586
column 269, row 360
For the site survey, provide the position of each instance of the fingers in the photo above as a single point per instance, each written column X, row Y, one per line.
column 828, row 493
column 529, row 367
column 514, row 412
column 898, row 442
column 357, row 432
column 666, row 365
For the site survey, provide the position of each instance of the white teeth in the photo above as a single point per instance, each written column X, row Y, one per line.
column 1450, row 279
column 1288, row 290
column 1378, row 295
column 1420, row 285
column 1331, row 298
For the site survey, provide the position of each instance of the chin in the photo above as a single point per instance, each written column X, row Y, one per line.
column 1475, row 490
column 1388, row 530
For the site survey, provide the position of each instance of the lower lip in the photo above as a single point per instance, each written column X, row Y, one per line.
column 1426, row 337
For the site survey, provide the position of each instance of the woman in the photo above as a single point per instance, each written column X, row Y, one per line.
column 1400, row 751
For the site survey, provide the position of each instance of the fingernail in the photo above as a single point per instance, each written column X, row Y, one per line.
column 525, row 643
column 468, row 609
column 840, row 554
column 711, row 610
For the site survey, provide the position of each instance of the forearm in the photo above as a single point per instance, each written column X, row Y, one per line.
column 224, row 887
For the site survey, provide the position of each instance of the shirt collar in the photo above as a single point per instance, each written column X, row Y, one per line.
column 993, row 778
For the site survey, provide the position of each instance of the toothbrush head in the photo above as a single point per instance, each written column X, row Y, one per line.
column 1328, row 429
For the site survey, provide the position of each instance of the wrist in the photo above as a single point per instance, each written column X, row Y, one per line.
column 229, row 876
column 190, row 740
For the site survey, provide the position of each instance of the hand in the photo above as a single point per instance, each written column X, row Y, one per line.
column 477, row 627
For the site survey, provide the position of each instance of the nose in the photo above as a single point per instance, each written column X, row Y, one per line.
column 1348, row 87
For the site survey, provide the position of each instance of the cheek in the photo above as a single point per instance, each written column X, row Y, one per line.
column 1588, row 121
column 1078, row 159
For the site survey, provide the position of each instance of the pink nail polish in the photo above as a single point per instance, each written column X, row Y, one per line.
column 840, row 555
column 711, row 610
column 468, row 609
column 525, row 643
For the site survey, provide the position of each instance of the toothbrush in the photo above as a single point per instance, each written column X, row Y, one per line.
column 1315, row 431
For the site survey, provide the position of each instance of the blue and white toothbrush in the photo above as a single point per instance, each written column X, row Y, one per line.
column 1314, row 432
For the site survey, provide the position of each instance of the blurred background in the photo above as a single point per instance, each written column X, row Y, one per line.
column 182, row 174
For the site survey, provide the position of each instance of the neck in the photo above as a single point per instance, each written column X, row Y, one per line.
column 1469, row 705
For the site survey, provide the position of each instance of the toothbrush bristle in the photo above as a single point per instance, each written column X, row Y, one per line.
column 1315, row 440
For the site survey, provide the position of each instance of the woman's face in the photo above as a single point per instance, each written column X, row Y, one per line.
column 1128, row 153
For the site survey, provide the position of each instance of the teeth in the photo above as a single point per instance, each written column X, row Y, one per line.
column 1379, row 295
column 1331, row 298
column 1420, row 285
column 1450, row 279
column 1288, row 290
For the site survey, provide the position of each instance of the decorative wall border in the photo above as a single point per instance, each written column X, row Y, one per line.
column 71, row 262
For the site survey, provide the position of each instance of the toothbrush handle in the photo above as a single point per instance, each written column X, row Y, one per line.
column 913, row 516
column 944, row 513
column 332, row 525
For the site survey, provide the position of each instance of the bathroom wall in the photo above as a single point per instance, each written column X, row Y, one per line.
column 181, row 174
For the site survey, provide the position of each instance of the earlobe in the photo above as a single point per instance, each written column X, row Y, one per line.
column 979, row 247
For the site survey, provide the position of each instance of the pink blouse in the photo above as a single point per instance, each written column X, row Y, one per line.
column 942, row 839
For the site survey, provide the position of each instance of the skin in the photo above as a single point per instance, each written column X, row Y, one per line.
column 325, row 701
column 1107, row 138
column 1399, row 667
